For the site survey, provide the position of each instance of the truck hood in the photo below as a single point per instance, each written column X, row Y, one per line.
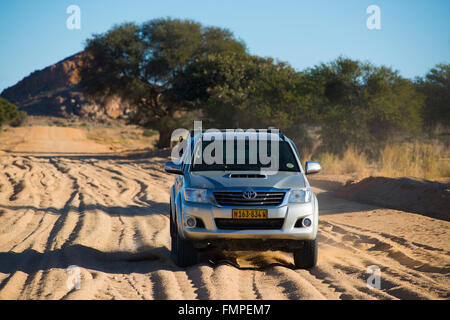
column 222, row 180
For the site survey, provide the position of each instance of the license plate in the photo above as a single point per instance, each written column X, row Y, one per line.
column 249, row 213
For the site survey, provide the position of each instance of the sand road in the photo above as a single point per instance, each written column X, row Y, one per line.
column 108, row 216
column 52, row 140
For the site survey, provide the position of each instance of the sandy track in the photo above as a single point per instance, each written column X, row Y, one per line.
column 39, row 139
column 109, row 217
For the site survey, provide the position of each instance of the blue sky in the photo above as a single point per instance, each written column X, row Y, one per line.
column 414, row 35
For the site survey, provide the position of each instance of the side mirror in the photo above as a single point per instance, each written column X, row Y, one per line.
column 312, row 167
column 172, row 167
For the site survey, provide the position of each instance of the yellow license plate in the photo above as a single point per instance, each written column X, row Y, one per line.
column 249, row 213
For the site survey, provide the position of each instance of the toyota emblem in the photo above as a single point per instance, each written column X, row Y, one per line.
column 249, row 194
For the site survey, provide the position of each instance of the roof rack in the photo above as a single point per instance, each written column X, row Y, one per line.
column 268, row 130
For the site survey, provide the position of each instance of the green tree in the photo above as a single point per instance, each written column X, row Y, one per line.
column 362, row 106
column 144, row 62
column 240, row 90
column 435, row 86
column 9, row 112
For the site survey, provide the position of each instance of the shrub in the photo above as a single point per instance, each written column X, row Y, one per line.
column 59, row 123
column 148, row 132
column 9, row 112
column 20, row 120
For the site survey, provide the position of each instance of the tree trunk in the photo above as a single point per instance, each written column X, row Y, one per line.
column 164, row 138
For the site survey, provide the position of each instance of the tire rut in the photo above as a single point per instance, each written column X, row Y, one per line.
column 109, row 217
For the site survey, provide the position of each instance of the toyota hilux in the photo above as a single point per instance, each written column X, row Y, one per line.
column 227, row 195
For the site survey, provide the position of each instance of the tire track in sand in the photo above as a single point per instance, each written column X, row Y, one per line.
column 109, row 217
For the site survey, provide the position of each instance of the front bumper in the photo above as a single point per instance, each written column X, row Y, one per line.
column 290, row 212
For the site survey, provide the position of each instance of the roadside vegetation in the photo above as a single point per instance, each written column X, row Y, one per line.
column 10, row 114
column 427, row 160
column 351, row 115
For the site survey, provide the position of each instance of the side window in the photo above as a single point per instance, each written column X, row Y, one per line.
column 296, row 151
column 197, row 152
column 298, row 154
column 184, row 158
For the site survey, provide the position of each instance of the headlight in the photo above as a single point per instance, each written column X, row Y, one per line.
column 196, row 195
column 300, row 195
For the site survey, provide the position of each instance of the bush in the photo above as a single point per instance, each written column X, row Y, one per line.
column 9, row 113
column 86, row 125
column 435, row 86
column 20, row 120
column 59, row 123
column 149, row 133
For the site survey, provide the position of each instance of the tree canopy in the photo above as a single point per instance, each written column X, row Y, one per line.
column 143, row 62
column 245, row 91
column 435, row 86
column 361, row 105
column 166, row 67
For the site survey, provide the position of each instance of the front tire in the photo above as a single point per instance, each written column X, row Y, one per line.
column 172, row 231
column 184, row 252
column 306, row 257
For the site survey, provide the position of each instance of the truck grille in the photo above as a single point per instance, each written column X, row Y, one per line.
column 236, row 198
column 249, row 224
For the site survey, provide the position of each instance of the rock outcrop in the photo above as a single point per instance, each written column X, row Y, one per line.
column 54, row 91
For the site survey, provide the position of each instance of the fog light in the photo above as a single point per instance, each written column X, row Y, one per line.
column 190, row 221
column 306, row 222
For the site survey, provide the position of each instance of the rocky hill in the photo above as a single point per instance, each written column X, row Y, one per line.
column 53, row 91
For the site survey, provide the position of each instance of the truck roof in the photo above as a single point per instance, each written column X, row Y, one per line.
column 231, row 134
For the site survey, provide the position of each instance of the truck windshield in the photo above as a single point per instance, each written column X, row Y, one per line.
column 226, row 155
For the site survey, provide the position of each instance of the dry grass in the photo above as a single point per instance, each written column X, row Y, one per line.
column 429, row 160
column 422, row 160
column 351, row 162
column 123, row 138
